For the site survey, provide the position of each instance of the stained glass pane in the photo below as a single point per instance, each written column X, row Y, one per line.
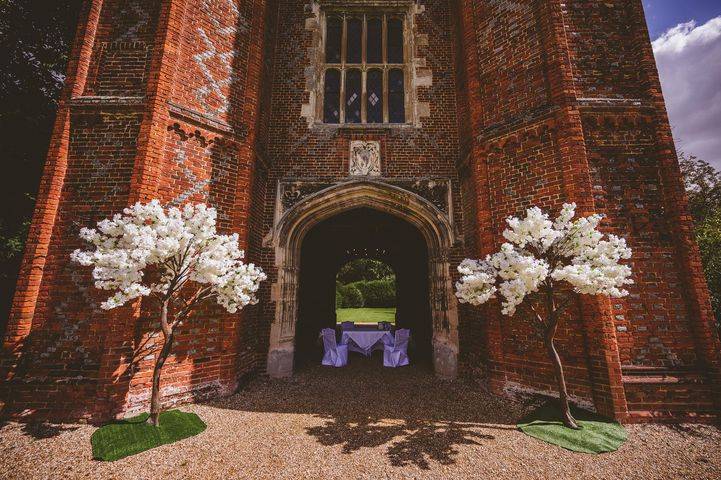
column 353, row 96
column 331, row 97
column 396, row 96
column 334, row 37
column 374, row 101
column 395, row 40
column 354, row 40
column 374, row 41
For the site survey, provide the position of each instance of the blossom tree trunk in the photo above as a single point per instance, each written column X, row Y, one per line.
column 549, row 336
column 168, row 333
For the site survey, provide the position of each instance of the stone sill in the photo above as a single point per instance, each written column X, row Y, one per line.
column 362, row 126
column 106, row 100
column 655, row 375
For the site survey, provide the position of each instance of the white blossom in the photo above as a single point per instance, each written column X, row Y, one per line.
column 540, row 251
column 477, row 284
column 181, row 245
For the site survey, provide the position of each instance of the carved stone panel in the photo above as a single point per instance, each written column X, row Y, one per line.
column 365, row 158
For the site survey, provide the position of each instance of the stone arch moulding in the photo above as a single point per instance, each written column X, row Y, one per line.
column 287, row 237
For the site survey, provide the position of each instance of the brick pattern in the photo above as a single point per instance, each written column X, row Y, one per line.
column 121, row 61
column 653, row 323
column 215, row 46
column 532, row 102
column 603, row 49
column 57, row 365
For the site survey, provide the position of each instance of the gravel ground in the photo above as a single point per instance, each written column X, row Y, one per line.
column 362, row 422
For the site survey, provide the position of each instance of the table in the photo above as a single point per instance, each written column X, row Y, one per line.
column 366, row 339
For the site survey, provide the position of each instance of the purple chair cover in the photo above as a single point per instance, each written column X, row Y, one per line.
column 335, row 355
column 386, row 341
column 347, row 325
column 396, row 355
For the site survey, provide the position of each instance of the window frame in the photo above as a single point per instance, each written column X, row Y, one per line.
column 343, row 67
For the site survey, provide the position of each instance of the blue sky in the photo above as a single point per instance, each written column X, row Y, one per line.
column 686, row 37
column 662, row 15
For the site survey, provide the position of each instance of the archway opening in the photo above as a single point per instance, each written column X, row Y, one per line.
column 365, row 289
column 378, row 238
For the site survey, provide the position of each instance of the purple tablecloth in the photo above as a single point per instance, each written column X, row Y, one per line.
column 366, row 339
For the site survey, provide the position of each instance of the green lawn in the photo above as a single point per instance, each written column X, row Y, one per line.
column 366, row 315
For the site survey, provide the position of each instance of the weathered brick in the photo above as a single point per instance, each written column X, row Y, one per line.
column 528, row 102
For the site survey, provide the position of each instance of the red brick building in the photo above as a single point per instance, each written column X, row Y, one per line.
column 330, row 129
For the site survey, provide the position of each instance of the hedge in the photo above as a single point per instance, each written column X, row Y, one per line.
column 348, row 296
column 377, row 293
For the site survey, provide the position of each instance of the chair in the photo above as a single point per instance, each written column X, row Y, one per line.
column 347, row 325
column 396, row 355
column 335, row 355
column 386, row 325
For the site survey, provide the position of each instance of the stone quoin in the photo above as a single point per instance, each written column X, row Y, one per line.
column 327, row 130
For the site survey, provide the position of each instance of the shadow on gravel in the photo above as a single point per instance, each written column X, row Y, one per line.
column 421, row 420
column 413, row 442
column 43, row 430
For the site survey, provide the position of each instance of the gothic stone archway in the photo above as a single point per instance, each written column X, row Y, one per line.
column 287, row 238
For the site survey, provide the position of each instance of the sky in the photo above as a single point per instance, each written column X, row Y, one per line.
column 686, row 37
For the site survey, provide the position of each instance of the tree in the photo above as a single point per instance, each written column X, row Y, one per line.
column 364, row 269
column 708, row 236
column 703, row 189
column 175, row 257
column 35, row 39
column 533, row 266
column 703, row 186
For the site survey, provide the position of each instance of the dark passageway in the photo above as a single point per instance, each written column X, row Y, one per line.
column 362, row 233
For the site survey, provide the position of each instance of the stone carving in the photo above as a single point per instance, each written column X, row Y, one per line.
column 365, row 158
column 433, row 190
column 292, row 193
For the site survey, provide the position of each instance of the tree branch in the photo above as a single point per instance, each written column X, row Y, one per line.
column 199, row 296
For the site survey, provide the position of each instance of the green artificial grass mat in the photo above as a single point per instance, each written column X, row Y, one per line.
column 597, row 435
column 134, row 435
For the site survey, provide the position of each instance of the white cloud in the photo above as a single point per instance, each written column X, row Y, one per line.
column 689, row 63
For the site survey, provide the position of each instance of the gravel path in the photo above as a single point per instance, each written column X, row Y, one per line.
column 362, row 422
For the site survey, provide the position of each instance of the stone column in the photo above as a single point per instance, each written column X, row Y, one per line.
column 444, row 311
column 282, row 333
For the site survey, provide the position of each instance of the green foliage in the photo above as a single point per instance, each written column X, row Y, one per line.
column 703, row 189
column 703, row 186
column 338, row 298
column 377, row 293
column 127, row 437
column 365, row 282
column 12, row 243
column 708, row 235
column 363, row 269
column 35, row 42
column 350, row 297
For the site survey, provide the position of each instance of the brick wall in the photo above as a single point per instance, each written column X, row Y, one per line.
column 531, row 102
column 565, row 106
column 295, row 150
column 162, row 102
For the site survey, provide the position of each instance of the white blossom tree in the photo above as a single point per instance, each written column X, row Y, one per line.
column 174, row 256
column 538, row 258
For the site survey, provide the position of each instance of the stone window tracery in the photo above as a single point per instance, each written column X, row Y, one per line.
column 365, row 67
